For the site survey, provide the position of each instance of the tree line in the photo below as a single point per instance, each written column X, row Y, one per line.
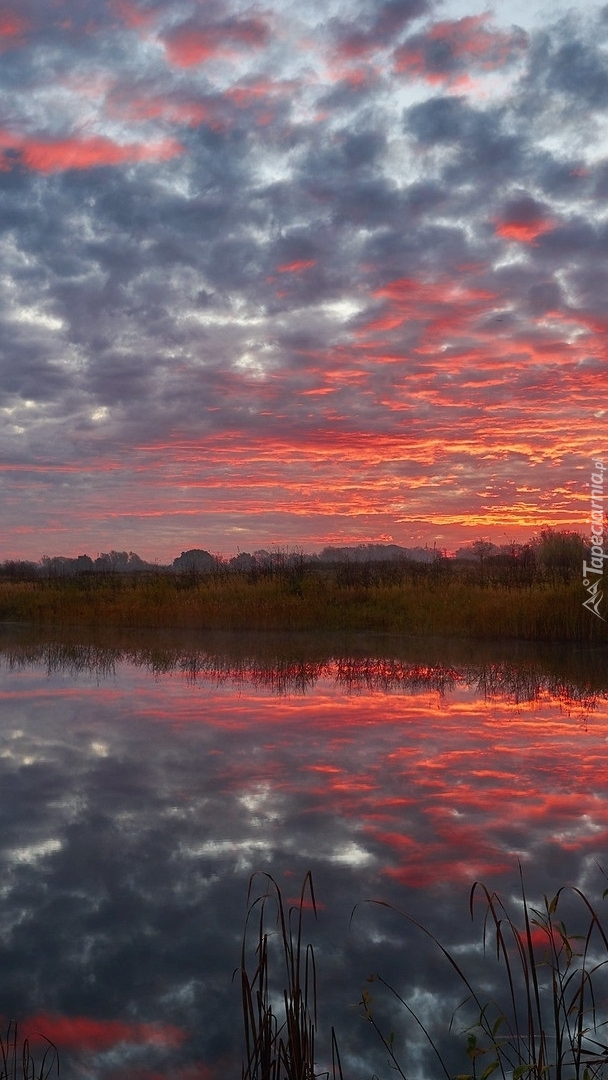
column 552, row 557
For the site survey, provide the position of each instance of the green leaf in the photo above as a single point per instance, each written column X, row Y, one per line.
column 496, row 1025
column 489, row 1070
column 520, row 1071
column 473, row 1050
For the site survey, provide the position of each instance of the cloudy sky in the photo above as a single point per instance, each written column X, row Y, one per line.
column 299, row 273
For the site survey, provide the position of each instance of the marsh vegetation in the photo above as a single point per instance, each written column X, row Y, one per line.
column 530, row 592
column 430, row 605
column 534, row 1010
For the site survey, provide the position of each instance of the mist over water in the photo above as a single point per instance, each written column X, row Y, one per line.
column 143, row 780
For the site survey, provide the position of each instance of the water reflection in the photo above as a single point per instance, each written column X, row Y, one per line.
column 143, row 781
column 293, row 664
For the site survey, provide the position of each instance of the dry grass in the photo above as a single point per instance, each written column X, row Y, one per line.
column 232, row 601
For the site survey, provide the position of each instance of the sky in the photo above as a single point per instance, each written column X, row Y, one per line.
column 299, row 274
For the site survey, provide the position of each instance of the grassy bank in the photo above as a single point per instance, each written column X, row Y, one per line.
column 548, row 612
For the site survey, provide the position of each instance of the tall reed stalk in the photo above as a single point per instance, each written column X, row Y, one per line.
column 16, row 1061
column 280, row 1039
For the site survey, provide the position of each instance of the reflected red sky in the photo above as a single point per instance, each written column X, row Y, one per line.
column 436, row 786
column 403, row 778
column 82, row 1032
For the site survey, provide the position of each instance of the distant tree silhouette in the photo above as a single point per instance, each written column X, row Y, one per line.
column 19, row 570
column 560, row 554
column 195, row 561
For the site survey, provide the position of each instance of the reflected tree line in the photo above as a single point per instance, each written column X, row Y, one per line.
column 579, row 685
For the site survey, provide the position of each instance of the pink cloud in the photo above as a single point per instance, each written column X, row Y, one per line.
column 297, row 266
column 169, row 110
column 188, row 45
column 55, row 155
column 131, row 14
column 447, row 48
column 12, row 28
column 525, row 232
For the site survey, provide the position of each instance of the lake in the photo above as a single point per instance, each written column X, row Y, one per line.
column 145, row 779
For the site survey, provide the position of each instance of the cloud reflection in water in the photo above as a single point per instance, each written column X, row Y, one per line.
column 138, row 795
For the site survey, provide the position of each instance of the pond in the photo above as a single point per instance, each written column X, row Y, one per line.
column 144, row 780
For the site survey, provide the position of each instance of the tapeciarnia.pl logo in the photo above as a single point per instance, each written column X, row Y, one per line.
column 593, row 571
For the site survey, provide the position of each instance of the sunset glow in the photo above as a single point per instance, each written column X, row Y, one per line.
column 280, row 276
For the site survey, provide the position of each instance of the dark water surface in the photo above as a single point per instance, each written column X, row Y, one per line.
column 143, row 781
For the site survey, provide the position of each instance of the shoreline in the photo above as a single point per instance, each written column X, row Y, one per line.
column 313, row 603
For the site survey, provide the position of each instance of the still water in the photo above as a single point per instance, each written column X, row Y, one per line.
column 143, row 782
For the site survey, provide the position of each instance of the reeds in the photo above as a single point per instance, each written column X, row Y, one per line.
column 16, row 1061
column 545, row 1022
column 280, row 1042
column 454, row 608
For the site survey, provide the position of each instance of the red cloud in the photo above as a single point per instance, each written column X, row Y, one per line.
column 297, row 266
column 388, row 23
column 525, row 232
column 445, row 307
column 447, row 48
column 12, row 28
column 54, row 155
column 83, row 1031
column 188, row 45
column 130, row 14
column 523, row 219
column 470, row 38
column 191, row 113
column 262, row 96
column 259, row 90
